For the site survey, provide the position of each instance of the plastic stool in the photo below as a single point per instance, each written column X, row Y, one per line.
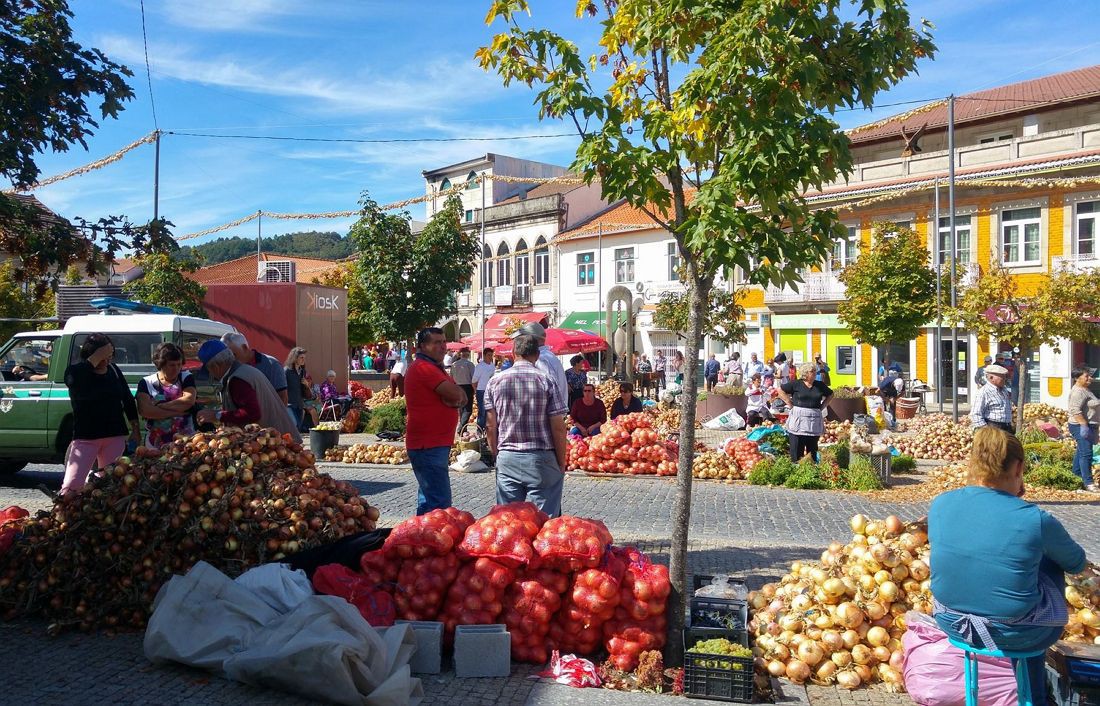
column 970, row 671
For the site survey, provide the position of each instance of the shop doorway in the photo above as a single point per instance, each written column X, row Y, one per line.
column 963, row 367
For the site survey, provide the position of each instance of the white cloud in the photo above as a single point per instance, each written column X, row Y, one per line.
column 233, row 15
column 434, row 86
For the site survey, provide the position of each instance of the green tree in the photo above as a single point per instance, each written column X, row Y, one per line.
column 409, row 281
column 344, row 276
column 712, row 116
column 165, row 282
column 49, row 82
column 19, row 302
column 1062, row 306
column 891, row 290
column 326, row 245
column 723, row 318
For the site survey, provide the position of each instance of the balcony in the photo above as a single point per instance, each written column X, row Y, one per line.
column 817, row 287
column 521, row 296
column 1077, row 262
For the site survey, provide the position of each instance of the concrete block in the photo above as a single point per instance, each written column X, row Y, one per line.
column 483, row 651
column 429, row 646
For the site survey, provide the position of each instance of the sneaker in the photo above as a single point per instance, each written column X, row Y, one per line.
column 1093, row 488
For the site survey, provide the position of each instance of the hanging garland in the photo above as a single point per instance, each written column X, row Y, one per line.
column 927, row 107
column 98, row 164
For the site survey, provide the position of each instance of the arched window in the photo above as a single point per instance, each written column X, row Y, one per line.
column 504, row 273
column 445, row 185
column 471, row 182
column 523, row 273
column 464, row 328
column 542, row 262
column 486, row 268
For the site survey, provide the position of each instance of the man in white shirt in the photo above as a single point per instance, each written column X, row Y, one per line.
column 462, row 370
column 482, row 372
column 548, row 363
column 755, row 366
column 448, row 359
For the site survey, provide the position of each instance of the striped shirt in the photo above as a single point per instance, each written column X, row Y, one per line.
column 524, row 399
column 991, row 404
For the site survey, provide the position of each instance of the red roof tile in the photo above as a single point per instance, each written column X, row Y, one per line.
column 620, row 217
column 243, row 269
column 1022, row 97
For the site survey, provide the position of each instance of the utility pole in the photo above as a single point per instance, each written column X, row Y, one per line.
column 599, row 293
column 156, row 179
column 484, row 272
column 954, row 247
column 937, row 357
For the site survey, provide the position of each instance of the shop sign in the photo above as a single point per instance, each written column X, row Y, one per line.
column 323, row 302
column 782, row 321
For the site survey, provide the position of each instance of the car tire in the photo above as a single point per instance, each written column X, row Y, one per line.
column 11, row 466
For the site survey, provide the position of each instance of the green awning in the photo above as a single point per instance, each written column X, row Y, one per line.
column 592, row 321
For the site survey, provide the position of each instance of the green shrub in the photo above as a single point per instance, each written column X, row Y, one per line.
column 771, row 471
column 833, row 475
column 843, row 453
column 903, row 464
column 1053, row 476
column 806, row 476
column 862, row 476
column 1031, row 435
column 387, row 417
column 1049, row 453
column 778, row 440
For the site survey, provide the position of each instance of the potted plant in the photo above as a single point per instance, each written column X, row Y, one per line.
column 721, row 399
column 846, row 403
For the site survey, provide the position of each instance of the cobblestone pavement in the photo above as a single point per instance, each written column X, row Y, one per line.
column 748, row 531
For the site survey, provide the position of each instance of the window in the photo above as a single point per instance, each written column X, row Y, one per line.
column 845, row 360
column 1088, row 214
column 962, row 240
column 133, row 351
column 523, row 273
column 504, row 273
column 486, row 267
column 904, row 224
column 445, row 185
column 845, row 251
column 542, row 262
column 30, row 353
column 586, row 269
column 471, row 181
column 624, row 265
column 997, row 137
column 673, row 262
column 469, row 215
column 1020, row 236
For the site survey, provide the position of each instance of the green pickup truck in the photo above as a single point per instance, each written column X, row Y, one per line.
column 36, row 418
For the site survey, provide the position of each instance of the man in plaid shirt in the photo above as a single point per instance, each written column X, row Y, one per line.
column 992, row 403
column 526, row 430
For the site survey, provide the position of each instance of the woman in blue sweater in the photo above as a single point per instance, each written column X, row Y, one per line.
column 999, row 562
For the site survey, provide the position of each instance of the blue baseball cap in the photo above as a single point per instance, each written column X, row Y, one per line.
column 210, row 349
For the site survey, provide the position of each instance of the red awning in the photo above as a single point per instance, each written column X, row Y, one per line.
column 563, row 341
column 496, row 324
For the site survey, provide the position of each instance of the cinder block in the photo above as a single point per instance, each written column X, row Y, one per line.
column 483, row 651
column 429, row 645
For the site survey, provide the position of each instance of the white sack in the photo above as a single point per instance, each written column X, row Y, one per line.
column 729, row 420
column 277, row 585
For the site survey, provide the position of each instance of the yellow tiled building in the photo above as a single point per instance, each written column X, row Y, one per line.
column 1016, row 148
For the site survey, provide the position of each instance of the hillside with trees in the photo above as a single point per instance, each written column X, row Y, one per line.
column 327, row 245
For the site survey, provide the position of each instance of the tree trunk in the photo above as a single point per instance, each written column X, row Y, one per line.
column 698, row 294
column 1025, row 355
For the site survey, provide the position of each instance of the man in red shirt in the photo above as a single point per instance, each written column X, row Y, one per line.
column 433, row 400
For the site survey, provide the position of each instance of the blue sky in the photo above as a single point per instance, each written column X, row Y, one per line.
column 387, row 69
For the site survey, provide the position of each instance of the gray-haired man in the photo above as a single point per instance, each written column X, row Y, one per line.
column 271, row 368
column 526, row 429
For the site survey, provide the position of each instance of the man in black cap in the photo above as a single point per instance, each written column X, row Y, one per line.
column 979, row 376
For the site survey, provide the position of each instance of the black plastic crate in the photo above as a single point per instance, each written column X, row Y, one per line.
column 713, row 612
column 700, row 580
column 718, row 677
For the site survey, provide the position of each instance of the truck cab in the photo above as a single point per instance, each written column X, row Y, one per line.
column 35, row 412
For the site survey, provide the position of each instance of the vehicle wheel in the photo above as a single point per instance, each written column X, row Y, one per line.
column 9, row 466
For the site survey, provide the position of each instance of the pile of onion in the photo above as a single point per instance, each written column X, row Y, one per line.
column 235, row 499
column 935, row 436
column 1083, row 597
column 840, row 620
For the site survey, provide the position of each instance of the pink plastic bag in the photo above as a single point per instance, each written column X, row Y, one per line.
column 571, row 671
column 934, row 668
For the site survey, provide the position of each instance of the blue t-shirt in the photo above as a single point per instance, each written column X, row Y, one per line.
column 986, row 548
column 710, row 369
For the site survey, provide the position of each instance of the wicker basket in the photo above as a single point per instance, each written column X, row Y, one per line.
column 907, row 407
column 474, row 445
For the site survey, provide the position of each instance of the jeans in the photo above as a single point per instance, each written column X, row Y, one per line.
column 432, row 478
column 482, row 413
column 468, row 408
column 577, row 431
column 530, row 475
column 1085, row 436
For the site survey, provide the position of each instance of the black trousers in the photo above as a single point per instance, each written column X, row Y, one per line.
column 468, row 409
column 802, row 445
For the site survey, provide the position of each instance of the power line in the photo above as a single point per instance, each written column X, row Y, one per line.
column 148, row 74
column 366, row 141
